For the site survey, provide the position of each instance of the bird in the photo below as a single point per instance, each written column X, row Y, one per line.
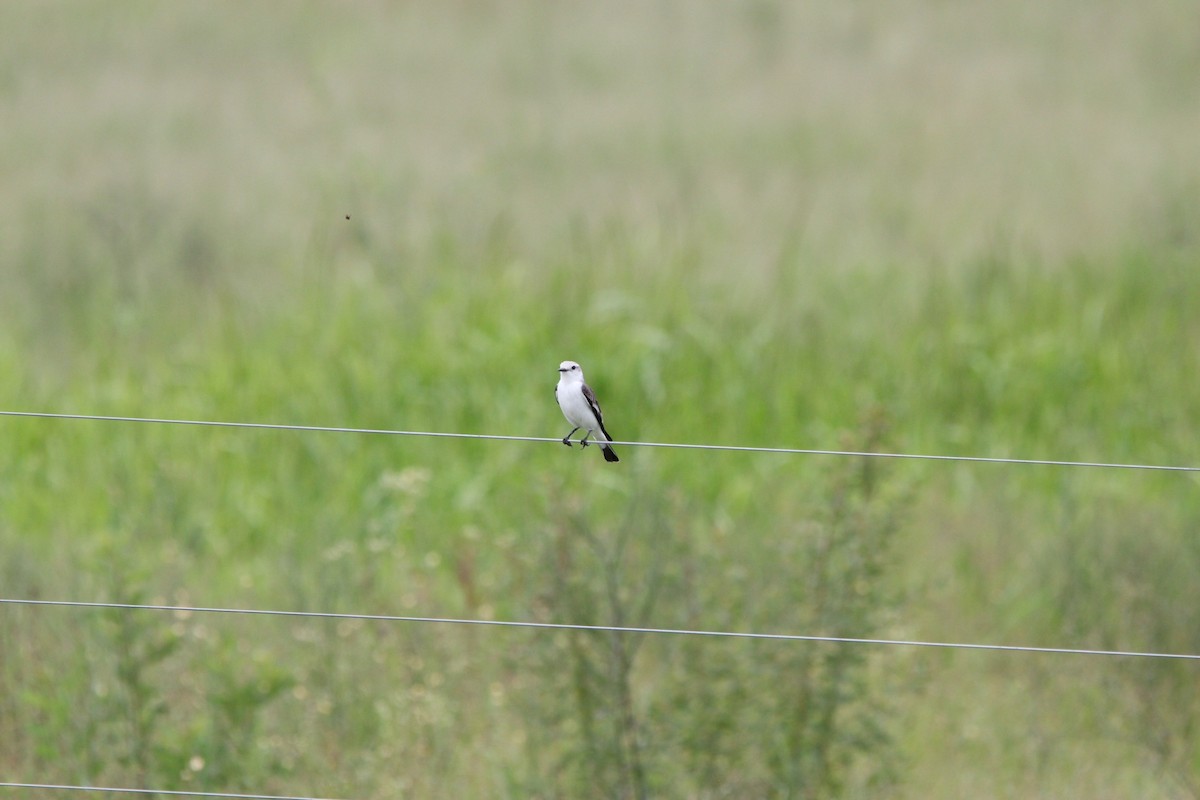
column 579, row 406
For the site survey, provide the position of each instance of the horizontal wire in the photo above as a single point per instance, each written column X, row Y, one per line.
column 564, row 626
column 169, row 792
column 679, row 445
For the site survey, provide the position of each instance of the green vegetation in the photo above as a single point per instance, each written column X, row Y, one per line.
column 909, row 228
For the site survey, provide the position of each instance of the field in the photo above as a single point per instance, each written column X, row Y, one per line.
column 914, row 227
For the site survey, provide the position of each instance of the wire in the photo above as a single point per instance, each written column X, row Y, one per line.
column 498, row 437
column 169, row 792
column 563, row 626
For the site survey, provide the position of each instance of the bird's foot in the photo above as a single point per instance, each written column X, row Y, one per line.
column 584, row 442
column 567, row 441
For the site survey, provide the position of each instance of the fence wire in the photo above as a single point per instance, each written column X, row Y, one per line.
column 166, row 792
column 564, row 626
column 543, row 439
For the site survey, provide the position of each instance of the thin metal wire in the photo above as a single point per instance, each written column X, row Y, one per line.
column 168, row 792
column 679, row 445
column 563, row 626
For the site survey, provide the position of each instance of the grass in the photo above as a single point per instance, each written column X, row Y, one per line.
column 965, row 231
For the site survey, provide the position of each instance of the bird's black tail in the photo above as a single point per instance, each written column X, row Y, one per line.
column 609, row 455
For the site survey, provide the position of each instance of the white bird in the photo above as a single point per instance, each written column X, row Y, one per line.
column 579, row 406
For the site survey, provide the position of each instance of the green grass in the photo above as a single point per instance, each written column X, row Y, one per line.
column 925, row 229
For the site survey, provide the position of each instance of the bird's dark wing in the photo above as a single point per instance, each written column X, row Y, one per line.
column 590, row 396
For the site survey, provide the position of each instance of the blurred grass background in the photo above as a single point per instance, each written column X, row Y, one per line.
column 925, row 227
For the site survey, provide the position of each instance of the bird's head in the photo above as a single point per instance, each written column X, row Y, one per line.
column 570, row 371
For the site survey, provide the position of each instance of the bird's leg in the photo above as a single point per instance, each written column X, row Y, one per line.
column 584, row 441
column 567, row 438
